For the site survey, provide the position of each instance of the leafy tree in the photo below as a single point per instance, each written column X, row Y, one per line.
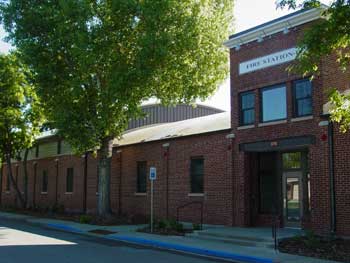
column 20, row 115
column 329, row 36
column 96, row 61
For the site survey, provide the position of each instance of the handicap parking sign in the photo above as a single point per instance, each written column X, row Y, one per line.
column 152, row 173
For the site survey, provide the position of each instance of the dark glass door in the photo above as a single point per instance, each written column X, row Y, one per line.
column 292, row 198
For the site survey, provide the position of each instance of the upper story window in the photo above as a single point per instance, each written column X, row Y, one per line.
column 141, row 177
column 274, row 103
column 247, row 108
column 302, row 98
column 197, row 175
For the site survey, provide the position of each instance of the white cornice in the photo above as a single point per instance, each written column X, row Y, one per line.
column 284, row 23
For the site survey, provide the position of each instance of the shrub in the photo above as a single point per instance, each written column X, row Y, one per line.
column 311, row 240
column 196, row 226
column 162, row 224
column 179, row 227
column 85, row 219
column 170, row 225
column 58, row 209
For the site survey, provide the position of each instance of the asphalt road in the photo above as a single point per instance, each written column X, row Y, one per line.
column 21, row 242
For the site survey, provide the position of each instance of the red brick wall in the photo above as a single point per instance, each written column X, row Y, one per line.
column 329, row 76
column 333, row 77
column 342, row 181
column 217, row 199
column 217, row 178
column 71, row 201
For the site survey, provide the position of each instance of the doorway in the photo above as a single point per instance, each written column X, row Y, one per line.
column 281, row 188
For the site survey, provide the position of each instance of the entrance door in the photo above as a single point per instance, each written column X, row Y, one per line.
column 292, row 198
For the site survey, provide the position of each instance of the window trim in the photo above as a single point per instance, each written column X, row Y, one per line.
column 294, row 100
column 240, row 95
column 200, row 157
column 261, row 91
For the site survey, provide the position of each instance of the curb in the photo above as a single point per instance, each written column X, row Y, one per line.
column 63, row 227
column 193, row 250
column 153, row 243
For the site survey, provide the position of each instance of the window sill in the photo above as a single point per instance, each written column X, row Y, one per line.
column 196, row 194
column 245, row 127
column 7, row 192
column 68, row 193
column 305, row 118
column 140, row 194
column 271, row 123
column 43, row 193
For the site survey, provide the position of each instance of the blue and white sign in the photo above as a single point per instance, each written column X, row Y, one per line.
column 274, row 59
column 152, row 173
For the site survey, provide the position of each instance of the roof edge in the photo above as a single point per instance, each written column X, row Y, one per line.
column 274, row 26
column 173, row 138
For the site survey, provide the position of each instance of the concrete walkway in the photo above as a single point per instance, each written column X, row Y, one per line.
column 209, row 248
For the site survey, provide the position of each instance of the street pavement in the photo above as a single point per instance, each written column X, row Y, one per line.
column 21, row 242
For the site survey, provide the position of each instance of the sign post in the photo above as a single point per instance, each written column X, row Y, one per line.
column 152, row 177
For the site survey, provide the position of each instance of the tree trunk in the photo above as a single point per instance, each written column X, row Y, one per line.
column 25, row 168
column 104, row 172
column 14, row 184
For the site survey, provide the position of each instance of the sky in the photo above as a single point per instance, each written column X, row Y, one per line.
column 247, row 13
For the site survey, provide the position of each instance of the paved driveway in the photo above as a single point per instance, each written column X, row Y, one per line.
column 20, row 243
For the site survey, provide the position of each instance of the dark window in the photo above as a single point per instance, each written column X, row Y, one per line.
column 197, row 174
column 141, row 177
column 44, row 182
column 274, row 103
column 69, row 180
column 247, row 110
column 8, row 182
column 302, row 98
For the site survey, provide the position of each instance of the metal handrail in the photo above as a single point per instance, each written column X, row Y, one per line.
column 188, row 204
column 274, row 230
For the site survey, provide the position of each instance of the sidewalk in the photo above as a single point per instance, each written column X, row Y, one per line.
column 175, row 243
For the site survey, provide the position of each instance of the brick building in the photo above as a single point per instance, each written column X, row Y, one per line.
column 289, row 160
column 276, row 156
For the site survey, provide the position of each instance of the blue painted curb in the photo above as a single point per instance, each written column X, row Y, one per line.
column 193, row 250
column 64, row 227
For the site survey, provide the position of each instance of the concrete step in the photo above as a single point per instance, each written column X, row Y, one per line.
column 232, row 239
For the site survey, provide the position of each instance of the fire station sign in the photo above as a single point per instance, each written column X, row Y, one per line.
column 268, row 61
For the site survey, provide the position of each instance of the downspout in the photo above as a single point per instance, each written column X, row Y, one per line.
column 56, row 186
column 120, row 182
column 331, row 176
column 231, row 137
column 166, row 156
column 16, row 183
column 1, row 176
column 34, row 183
column 85, row 182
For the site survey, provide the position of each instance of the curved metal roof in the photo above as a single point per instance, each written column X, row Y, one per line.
column 157, row 113
column 211, row 123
